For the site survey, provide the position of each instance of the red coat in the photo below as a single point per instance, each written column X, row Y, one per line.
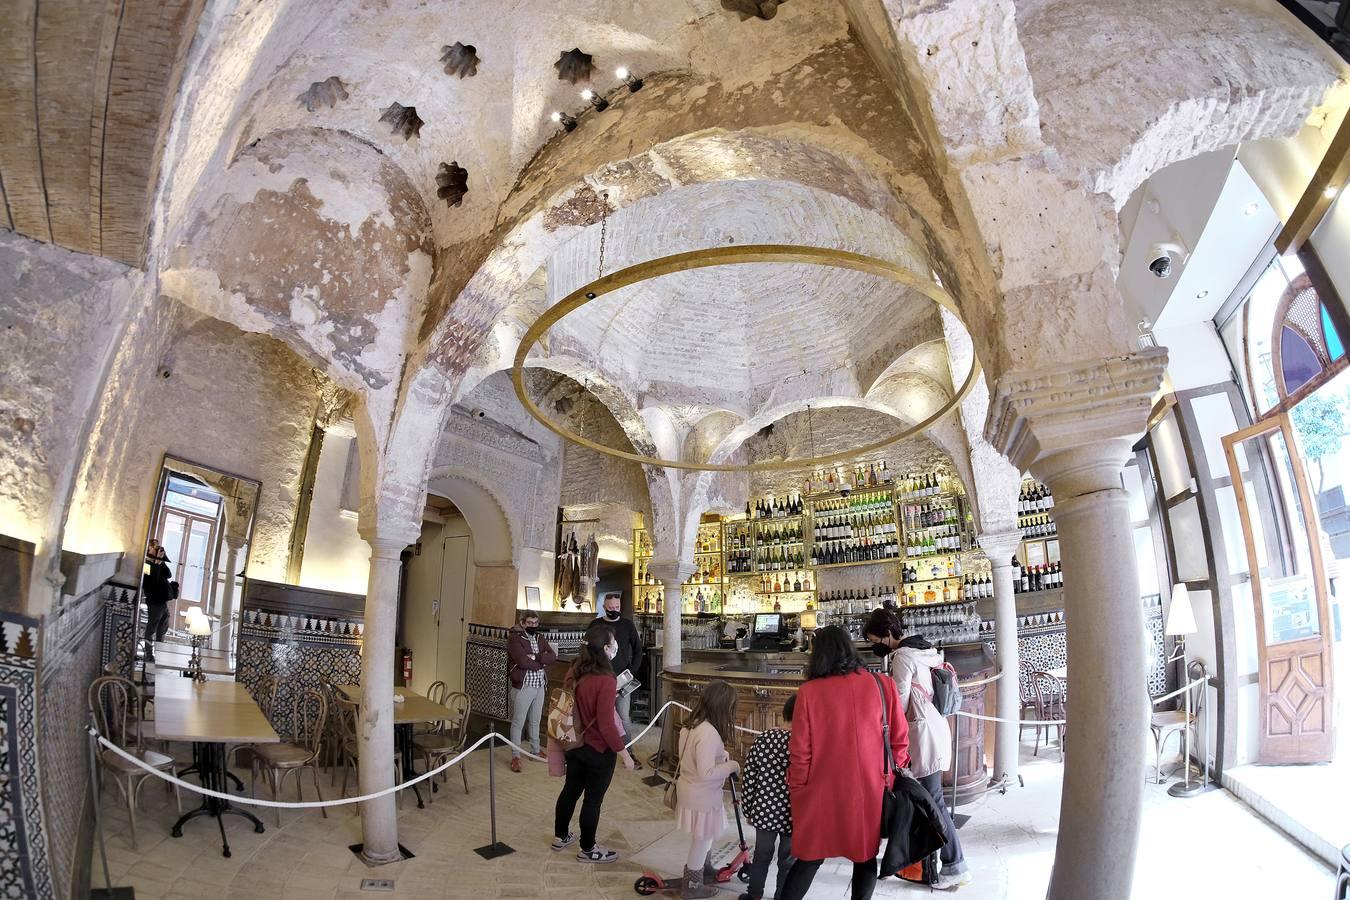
column 837, row 770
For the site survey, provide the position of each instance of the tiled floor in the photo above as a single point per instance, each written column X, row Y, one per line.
column 1309, row 801
column 1208, row 846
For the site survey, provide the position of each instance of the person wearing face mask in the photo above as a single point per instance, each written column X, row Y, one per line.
column 912, row 660
column 590, row 767
column 628, row 658
column 528, row 656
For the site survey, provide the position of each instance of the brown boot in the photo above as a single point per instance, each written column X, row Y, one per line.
column 692, row 886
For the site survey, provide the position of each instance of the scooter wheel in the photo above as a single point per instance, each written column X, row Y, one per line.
column 646, row 885
column 744, row 875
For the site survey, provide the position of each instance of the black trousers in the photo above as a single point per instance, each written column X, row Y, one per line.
column 156, row 623
column 588, row 772
column 804, row 872
column 759, row 863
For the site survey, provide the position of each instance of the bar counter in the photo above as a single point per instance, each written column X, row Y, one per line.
column 764, row 682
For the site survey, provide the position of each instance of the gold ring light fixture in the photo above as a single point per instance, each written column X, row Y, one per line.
column 728, row 256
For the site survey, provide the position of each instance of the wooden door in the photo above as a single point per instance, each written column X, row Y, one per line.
column 1289, row 590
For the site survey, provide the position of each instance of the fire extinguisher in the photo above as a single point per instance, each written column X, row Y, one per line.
column 407, row 666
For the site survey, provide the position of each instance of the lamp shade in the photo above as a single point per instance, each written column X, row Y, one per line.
column 1180, row 616
column 199, row 626
column 808, row 619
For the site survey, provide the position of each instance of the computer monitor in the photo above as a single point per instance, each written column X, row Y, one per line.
column 768, row 623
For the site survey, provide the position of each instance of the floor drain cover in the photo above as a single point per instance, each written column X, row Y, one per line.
column 377, row 884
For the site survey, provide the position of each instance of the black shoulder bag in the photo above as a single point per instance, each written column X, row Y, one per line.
column 889, row 798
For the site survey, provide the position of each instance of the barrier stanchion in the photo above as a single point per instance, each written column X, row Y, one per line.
column 496, row 848
column 107, row 892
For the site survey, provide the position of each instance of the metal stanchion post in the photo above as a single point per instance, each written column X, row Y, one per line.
column 107, row 892
column 496, row 848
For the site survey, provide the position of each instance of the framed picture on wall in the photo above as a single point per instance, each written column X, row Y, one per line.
column 532, row 597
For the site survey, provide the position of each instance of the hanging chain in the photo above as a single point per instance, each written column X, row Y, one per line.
column 604, row 229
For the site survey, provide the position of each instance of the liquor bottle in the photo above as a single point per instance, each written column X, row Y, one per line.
column 946, row 592
column 777, row 606
column 777, row 585
column 806, row 582
column 1026, row 580
column 1016, row 574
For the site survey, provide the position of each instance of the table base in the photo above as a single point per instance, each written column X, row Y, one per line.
column 404, row 737
column 209, row 762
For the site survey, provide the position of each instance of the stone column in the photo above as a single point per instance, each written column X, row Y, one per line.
column 379, row 824
column 232, row 548
column 1072, row 426
column 1000, row 547
column 671, row 576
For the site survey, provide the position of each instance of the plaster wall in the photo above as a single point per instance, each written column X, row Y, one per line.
column 336, row 557
column 60, row 322
column 241, row 403
column 1331, row 240
column 1196, row 355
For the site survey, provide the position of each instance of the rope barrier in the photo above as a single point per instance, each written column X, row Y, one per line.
column 308, row 804
column 1181, row 690
column 967, row 715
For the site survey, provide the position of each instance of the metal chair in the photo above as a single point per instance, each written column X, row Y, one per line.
column 349, row 747
column 1167, row 722
column 1050, row 703
column 1343, row 877
column 448, row 737
column 115, row 704
column 309, row 714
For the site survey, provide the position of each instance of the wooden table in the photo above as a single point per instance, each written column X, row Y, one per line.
column 210, row 714
column 415, row 708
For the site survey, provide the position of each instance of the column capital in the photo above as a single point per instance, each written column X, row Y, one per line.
column 999, row 546
column 669, row 573
column 389, row 542
column 1042, row 412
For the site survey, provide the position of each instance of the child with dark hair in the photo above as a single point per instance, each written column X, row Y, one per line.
column 766, row 803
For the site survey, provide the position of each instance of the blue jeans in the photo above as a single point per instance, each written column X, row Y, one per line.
column 759, row 863
column 953, row 860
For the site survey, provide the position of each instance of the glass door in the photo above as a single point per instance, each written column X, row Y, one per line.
column 1289, row 592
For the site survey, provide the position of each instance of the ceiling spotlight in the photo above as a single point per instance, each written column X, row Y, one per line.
column 568, row 123
column 1202, row 295
column 627, row 77
column 1330, row 191
column 1251, row 209
column 594, row 99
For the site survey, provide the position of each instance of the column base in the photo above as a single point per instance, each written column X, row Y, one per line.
column 398, row 855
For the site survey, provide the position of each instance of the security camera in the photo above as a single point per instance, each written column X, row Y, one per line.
column 164, row 372
column 478, row 413
column 1160, row 257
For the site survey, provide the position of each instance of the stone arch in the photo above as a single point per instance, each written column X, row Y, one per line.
column 496, row 534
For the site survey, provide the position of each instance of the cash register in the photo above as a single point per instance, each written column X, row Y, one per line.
column 768, row 632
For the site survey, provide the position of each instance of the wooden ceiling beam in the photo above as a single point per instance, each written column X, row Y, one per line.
column 1332, row 172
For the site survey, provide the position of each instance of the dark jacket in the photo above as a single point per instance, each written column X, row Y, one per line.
column 916, row 829
column 630, row 645
column 155, row 583
column 765, row 791
column 518, row 655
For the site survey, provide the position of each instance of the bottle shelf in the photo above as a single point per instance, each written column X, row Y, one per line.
column 869, row 562
column 782, row 544
column 781, row 593
column 939, row 578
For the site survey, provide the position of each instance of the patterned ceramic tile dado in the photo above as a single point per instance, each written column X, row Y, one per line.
column 24, row 869
column 120, row 603
column 485, row 671
column 301, row 658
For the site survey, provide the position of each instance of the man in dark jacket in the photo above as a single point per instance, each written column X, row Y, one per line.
column 629, row 657
column 157, row 591
column 528, row 657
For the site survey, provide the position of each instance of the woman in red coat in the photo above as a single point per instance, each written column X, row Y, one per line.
column 838, row 769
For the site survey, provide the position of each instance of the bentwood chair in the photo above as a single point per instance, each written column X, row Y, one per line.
column 1166, row 722
column 309, row 714
column 436, row 692
column 1049, row 694
column 116, row 704
column 349, row 747
column 448, row 736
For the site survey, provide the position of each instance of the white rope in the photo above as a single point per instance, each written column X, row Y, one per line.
column 1181, row 690
column 306, row 804
column 662, row 711
column 1014, row 721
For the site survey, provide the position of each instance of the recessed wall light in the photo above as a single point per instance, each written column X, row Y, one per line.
column 1202, row 295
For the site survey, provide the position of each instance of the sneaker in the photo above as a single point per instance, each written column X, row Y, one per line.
column 952, row 882
column 515, row 764
column 597, row 854
column 560, row 843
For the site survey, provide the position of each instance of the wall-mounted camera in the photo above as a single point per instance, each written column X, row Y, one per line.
column 1161, row 256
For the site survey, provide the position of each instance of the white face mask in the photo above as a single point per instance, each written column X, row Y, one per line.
column 612, row 650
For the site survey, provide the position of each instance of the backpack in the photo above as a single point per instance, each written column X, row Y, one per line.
column 562, row 720
column 946, row 690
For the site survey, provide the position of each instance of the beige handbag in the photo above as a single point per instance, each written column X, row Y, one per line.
column 672, row 797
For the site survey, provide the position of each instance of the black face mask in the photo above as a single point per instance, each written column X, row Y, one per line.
column 531, row 629
column 881, row 650
column 612, row 615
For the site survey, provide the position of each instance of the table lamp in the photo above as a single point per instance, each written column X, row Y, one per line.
column 1180, row 615
column 199, row 626
column 1180, row 623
